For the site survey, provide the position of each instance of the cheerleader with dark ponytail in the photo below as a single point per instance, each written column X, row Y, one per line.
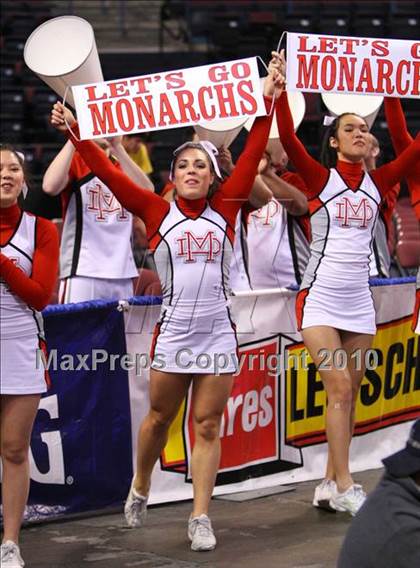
column 334, row 307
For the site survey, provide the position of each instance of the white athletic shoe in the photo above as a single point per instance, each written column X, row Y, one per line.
column 323, row 494
column 351, row 500
column 10, row 555
column 200, row 533
column 135, row 509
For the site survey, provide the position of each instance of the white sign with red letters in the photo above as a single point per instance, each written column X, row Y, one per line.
column 169, row 99
column 364, row 66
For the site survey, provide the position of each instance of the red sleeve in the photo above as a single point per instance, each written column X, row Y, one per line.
column 404, row 166
column 313, row 173
column 388, row 204
column 37, row 289
column 391, row 197
column 401, row 138
column 74, row 169
column 151, row 208
column 396, row 123
column 235, row 190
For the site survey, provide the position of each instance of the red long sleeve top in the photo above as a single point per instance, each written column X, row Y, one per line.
column 401, row 139
column 315, row 175
column 37, row 289
column 152, row 208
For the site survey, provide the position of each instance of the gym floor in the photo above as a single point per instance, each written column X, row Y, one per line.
column 278, row 531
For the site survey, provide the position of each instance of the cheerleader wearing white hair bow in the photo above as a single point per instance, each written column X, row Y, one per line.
column 194, row 342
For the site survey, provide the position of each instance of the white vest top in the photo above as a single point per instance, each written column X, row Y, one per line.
column 272, row 252
column 239, row 277
column 17, row 319
column 193, row 259
column 342, row 233
column 96, row 238
column 277, row 247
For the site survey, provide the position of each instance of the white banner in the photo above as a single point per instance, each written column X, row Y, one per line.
column 364, row 66
column 169, row 99
column 273, row 427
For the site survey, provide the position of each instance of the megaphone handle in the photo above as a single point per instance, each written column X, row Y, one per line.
column 273, row 98
column 280, row 40
column 65, row 121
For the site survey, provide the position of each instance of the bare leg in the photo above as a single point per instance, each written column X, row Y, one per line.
column 167, row 391
column 210, row 394
column 352, row 342
column 17, row 418
column 338, row 386
column 361, row 343
column 329, row 472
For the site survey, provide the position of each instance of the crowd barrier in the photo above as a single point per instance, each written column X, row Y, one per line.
column 83, row 443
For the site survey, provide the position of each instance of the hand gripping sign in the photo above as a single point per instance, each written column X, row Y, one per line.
column 170, row 99
column 364, row 66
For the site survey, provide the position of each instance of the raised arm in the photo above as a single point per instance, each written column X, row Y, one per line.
column 312, row 172
column 37, row 289
column 235, row 190
column 57, row 176
column 401, row 139
column 142, row 202
column 395, row 119
column 238, row 186
column 404, row 166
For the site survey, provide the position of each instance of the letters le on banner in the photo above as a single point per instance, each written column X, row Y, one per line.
column 338, row 64
column 170, row 99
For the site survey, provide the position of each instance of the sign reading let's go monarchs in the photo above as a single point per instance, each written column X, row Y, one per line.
column 365, row 66
column 169, row 99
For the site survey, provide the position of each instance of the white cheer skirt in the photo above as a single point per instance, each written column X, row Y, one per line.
column 21, row 366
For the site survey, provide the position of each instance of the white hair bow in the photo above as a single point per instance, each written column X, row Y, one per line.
column 328, row 120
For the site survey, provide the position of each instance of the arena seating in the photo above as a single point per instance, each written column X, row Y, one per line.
column 408, row 237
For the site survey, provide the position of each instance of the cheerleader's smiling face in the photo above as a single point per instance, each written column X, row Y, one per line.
column 12, row 178
column 192, row 174
column 352, row 140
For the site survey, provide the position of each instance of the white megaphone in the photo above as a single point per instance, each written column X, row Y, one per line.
column 366, row 106
column 220, row 132
column 62, row 52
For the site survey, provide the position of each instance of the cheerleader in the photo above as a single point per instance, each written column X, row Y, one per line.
column 28, row 272
column 194, row 341
column 334, row 307
column 96, row 258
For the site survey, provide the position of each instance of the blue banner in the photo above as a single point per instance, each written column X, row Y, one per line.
column 81, row 443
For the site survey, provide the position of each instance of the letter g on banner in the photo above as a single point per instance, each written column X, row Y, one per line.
column 54, row 446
